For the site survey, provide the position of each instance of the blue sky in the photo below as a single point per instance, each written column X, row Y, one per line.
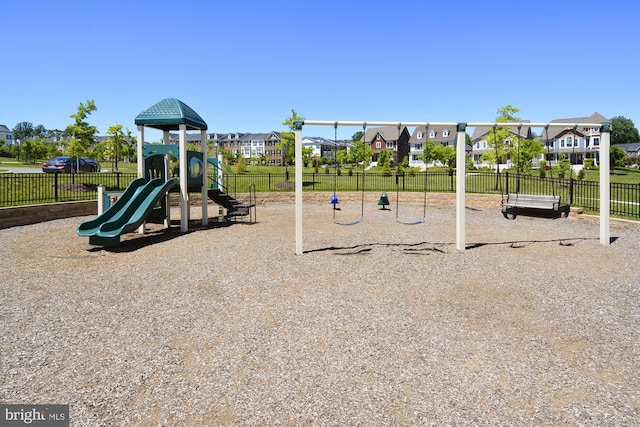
column 243, row 65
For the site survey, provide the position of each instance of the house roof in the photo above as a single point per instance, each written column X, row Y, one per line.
column 633, row 147
column 388, row 133
column 594, row 118
column 169, row 114
column 453, row 132
column 480, row 131
column 4, row 128
column 324, row 141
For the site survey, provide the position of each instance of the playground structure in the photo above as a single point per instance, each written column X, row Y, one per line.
column 460, row 166
column 147, row 198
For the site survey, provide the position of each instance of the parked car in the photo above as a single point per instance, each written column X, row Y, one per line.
column 68, row 164
column 94, row 163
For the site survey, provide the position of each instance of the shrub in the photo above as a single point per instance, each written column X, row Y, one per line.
column 588, row 163
column 241, row 165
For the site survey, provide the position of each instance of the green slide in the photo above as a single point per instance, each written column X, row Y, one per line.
column 130, row 215
column 91, row 228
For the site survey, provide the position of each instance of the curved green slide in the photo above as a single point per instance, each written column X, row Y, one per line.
column 91, row 228
column 129, row 215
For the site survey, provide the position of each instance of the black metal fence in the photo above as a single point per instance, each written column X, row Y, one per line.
column 34, row 188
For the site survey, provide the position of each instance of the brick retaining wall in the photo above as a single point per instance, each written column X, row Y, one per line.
column 24, row 215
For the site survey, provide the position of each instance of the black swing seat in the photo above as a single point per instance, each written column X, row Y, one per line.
column 533, row 203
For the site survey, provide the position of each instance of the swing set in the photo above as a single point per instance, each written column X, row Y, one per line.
column 605, row 191
column 384, row 199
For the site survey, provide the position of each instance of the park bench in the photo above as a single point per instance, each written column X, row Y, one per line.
column 533, row 203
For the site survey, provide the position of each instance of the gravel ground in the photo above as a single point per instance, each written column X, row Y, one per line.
column 376, row 324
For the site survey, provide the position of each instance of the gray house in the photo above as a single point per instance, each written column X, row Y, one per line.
column 6, row 134
column 577, row 142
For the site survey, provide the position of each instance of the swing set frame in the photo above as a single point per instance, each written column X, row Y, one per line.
column 605, row 191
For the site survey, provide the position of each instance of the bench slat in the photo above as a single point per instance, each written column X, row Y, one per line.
column 532, row 201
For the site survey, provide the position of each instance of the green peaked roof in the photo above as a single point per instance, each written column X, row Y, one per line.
column 168, row 114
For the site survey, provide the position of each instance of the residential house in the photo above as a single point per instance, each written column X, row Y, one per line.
column 480, row 145
column 323, row 147
column 388, row 138
column 6, row 134
column 632, row 149
column 251, row 145
column 577, row 142
column 439, row 134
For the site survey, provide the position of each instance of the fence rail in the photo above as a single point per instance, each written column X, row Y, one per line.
column 33, row 188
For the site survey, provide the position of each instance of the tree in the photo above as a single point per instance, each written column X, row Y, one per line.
column 23, row 131
column 616, row 156
column 428, row 152
column 307, row 154
column 385, row 157
column 288, row 138
column 81, row 132
column 341, row 156
column 499, row 138
column 116, row 143
column 527, row 150
column 360, row 152
column 623, row 131
column 357, row 136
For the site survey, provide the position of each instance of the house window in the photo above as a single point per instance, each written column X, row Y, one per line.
column 562, row 143
column 445, row 132
column 378, row 144
column 378, row 136
column 484, row 144
column 418, row 147
column 419, row 135
column 390, row 144
column 432, row 134
column 596, row 142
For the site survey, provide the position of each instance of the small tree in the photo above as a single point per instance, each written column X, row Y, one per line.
column 307, row 154
column 563, row 168
column 241, row 164
column 384, row 158
column 360, row 152
column 115, row 144
column 81, row 132
column 288, row 138
column 617, row 156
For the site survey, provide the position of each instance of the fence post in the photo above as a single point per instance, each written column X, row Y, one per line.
column 55, row 186
column 571, row 191
column 506, row 179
